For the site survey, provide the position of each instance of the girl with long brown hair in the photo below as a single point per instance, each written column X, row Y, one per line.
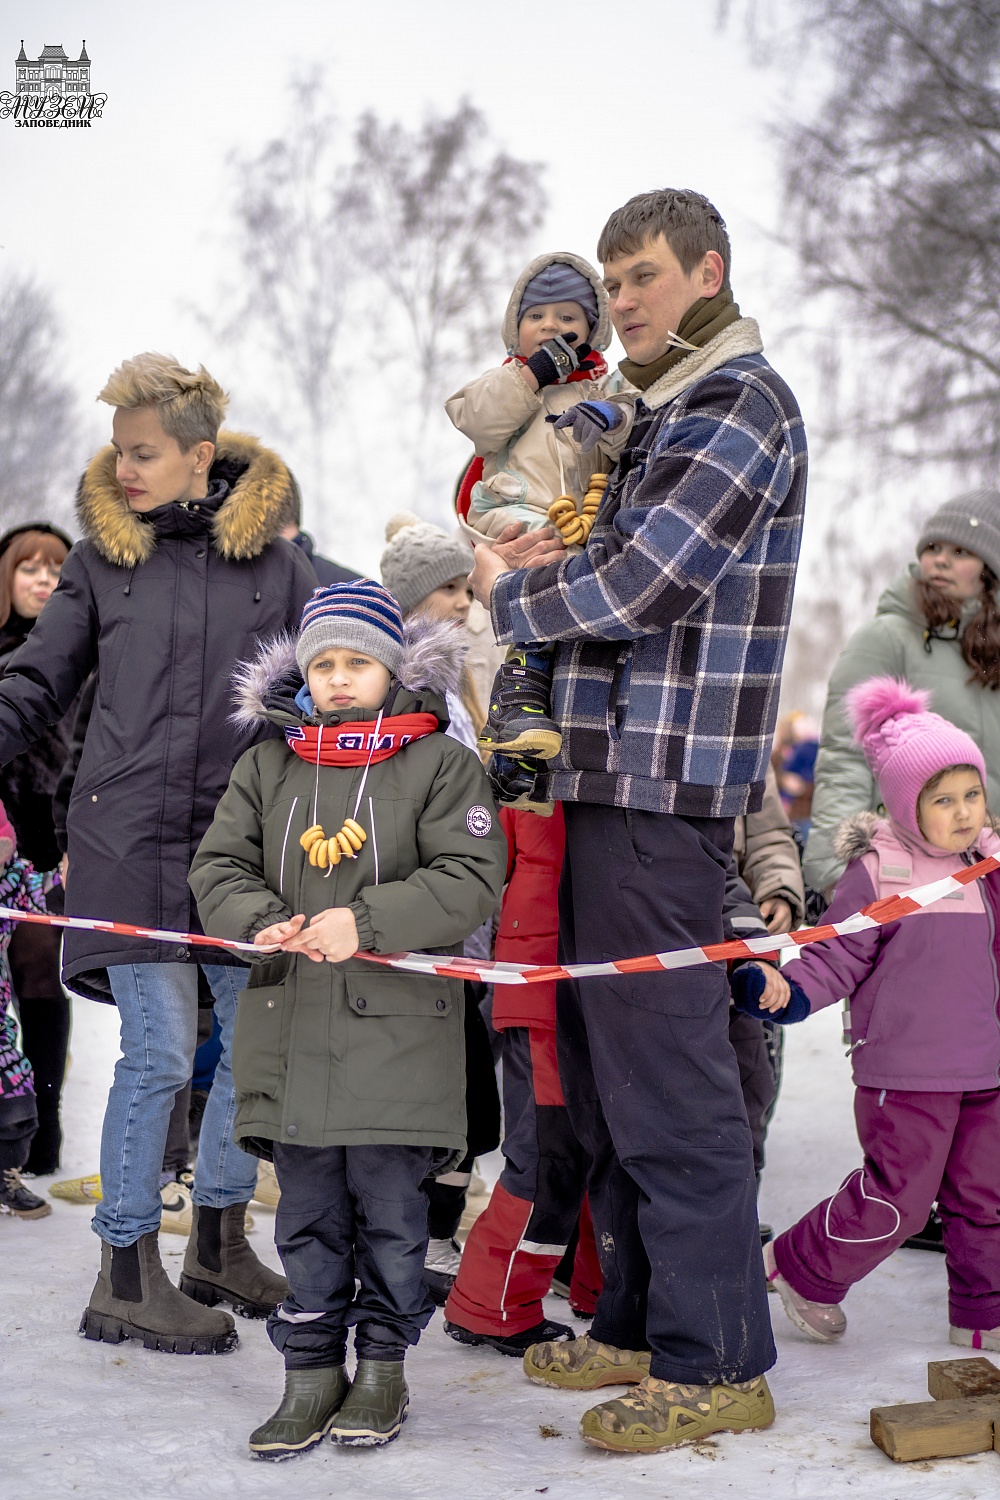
column 31, row 557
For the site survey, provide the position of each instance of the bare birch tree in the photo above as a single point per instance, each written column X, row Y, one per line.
column 293, row 265
column 39, row 422
column 892, row 200
column 443, row 217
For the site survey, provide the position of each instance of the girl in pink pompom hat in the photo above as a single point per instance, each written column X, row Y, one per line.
column 21, row 888
column 924, row 1021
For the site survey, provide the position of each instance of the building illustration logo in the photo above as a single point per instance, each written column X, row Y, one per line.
column 52, row 91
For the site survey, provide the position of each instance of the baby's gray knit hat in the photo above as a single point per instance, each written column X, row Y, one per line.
column 971, row 521
column 420, row 558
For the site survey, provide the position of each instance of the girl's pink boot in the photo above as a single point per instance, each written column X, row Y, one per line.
column 824, row 1322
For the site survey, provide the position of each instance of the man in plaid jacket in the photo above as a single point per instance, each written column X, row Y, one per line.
column 670, row 630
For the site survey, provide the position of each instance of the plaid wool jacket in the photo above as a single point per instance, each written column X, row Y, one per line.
column 670, row 628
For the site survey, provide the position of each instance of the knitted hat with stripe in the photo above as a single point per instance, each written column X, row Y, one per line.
column 360, row 615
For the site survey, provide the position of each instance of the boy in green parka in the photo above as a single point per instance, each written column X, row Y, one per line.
column 363, row 827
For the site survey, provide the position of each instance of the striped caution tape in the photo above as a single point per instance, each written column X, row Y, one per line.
column 877, row 914
column 126, row 929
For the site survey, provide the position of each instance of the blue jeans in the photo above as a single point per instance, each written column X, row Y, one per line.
column 158, row 1006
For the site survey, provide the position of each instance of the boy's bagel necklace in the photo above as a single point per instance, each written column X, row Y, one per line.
column 325, row 853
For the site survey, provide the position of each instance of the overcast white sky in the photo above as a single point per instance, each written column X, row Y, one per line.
column 125, row 223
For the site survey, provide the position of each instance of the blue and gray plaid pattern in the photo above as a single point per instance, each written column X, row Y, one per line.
column 671, row 627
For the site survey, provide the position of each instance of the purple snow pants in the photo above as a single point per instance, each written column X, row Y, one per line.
column 918, row 1147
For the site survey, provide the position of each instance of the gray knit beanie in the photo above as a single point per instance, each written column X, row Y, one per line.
column 420, row 558
column 971, row 521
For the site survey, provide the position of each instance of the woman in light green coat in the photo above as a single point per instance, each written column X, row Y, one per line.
column 937, row 626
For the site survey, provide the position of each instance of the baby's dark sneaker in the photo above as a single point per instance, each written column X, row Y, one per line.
column 518, row 783
column 518, row 722
column 19, row 1200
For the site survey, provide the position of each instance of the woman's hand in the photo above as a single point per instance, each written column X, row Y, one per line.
column 331, row 935
column 64, row 868
column 776, row 991
column 278, row 933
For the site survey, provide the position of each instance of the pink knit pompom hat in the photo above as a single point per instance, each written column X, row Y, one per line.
column 905, row 744
column 8, row 838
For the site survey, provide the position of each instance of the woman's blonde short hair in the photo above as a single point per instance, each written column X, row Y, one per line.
column 190, row 404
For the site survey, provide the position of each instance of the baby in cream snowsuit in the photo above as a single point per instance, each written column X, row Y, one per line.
column 555, row 329
column 548, row 425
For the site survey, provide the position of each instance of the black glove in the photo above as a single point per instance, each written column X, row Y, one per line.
column 747, row 984
column 556, row 360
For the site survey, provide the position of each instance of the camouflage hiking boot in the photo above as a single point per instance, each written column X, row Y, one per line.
column 661, row 1414
column 311, row 1401
column 583, row 1364
column 518, row 722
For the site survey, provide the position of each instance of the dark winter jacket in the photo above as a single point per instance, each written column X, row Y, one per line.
column 28, row 782
column 326, row 570
column 163, row 606
column 352, row 1053
column 670, row 628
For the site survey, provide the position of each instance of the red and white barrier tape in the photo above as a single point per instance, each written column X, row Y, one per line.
column 126, row 929
column 877, row 914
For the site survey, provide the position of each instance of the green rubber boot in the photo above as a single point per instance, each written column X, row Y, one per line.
column 376, row 1407
column 311, row 1401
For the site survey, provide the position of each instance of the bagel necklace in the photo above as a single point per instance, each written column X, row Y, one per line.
column 572, row 525
column 325, row 853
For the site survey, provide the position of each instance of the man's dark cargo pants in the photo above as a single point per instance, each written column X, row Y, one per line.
column 653, row 1090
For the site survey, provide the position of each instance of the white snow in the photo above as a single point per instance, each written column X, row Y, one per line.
column 86, row 1419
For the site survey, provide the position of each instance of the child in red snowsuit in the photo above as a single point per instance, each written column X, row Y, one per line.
column 515, row 1246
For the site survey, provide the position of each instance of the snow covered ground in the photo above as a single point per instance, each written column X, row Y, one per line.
column 87, row 1419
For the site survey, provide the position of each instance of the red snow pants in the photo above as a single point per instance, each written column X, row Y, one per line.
column 917, row 1147
column 515, row 1246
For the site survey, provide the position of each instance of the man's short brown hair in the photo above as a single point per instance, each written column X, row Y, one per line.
column 689, row 223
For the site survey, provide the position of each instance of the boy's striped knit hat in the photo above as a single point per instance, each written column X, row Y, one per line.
column 361, row 615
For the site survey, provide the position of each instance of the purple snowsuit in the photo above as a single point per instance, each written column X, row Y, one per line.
column 23, row 888
column 924, row 999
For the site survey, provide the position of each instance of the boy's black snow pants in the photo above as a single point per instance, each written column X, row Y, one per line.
column 653, row 1090
column 349, row 1211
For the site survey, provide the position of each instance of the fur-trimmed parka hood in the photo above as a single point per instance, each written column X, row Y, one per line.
column 864, row 831
column 264, row 689
column 853, row 837
column 599, row 339
column 247, row 521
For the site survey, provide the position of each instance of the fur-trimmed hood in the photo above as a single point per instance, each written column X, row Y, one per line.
column 853, row 837
column 248, row 520
column 600, row 338
column 264, row 689
column 864, row 831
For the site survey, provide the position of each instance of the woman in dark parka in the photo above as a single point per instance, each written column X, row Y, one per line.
column 31, row 556
column 180, row 572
